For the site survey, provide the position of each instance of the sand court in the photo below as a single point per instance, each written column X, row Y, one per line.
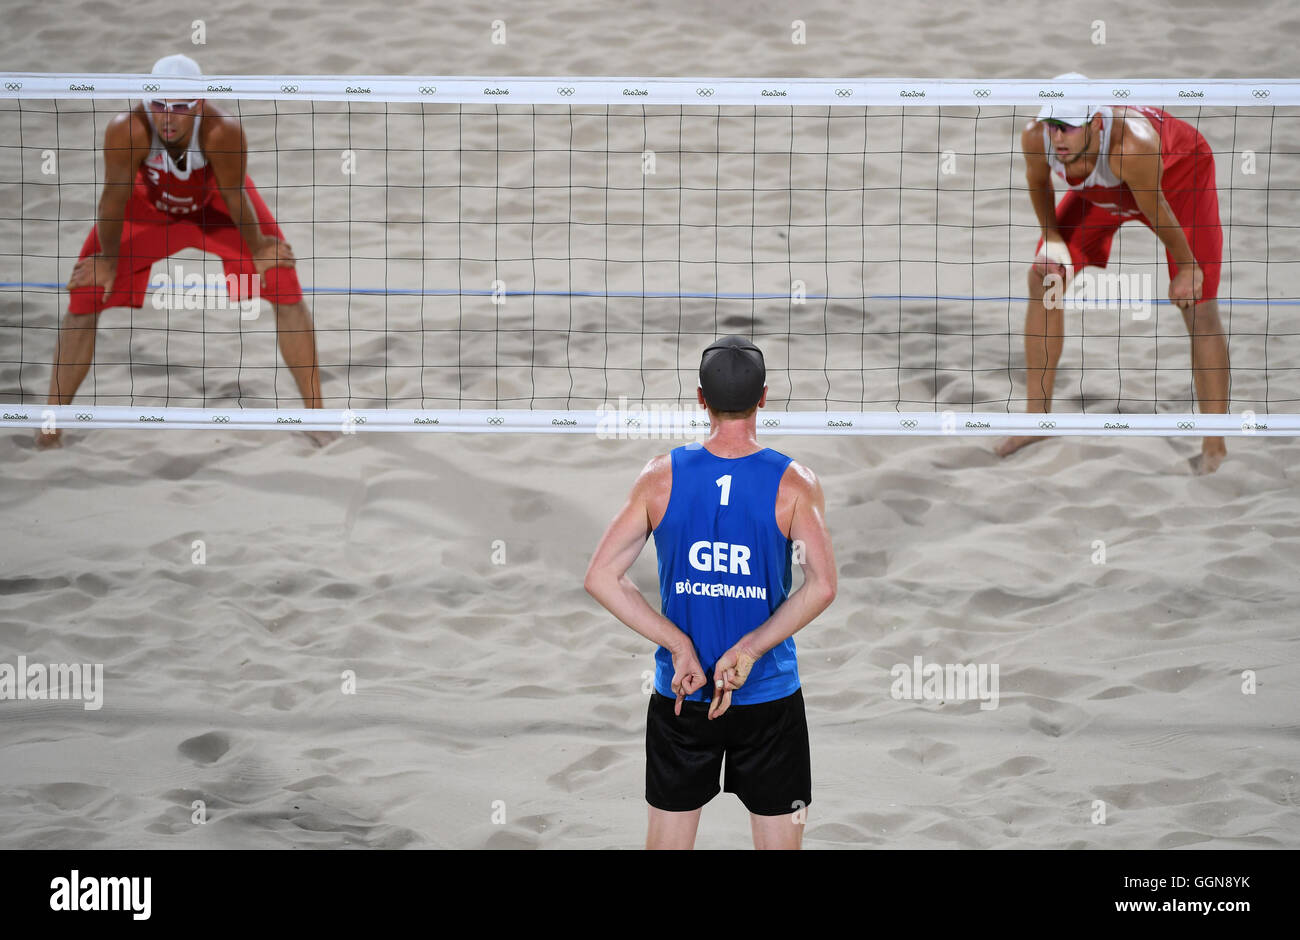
column 387, row 643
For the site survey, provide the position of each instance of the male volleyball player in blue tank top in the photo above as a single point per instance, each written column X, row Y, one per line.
column 726, row 516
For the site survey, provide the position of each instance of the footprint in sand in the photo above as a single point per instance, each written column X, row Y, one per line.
column 1172, row 680
column 529, row 508
column 1056, row 718
column 206, row 748
column 512, row 840
column 584, row 770
column 69, row 796
column 929, row 755
column 1015, row 767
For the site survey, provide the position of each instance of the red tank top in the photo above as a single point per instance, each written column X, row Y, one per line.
column 1180, row 145
column 180, row 189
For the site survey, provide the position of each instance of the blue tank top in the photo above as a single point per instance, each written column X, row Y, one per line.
column 724, row 566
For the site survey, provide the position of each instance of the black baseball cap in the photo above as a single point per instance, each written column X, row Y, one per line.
column 732, row 374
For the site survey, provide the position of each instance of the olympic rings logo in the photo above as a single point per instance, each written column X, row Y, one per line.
column 566, row 91
column 84, row 416
column 13, row 86
column 428, row 89
column 1260, row 92
column 150, row 86
column 496, row 420
column 632, row 423
column 771, row 422
column 982, row 92
column 1186, row 425
column 289, row 89
column 1120, row 92
column 356, row 419
column 704, row 92
column 221, row 419
column 909, row 423
column 844, row 92
column 1047, row 425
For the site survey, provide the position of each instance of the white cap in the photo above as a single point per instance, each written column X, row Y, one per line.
column 1067, row 111
column 177, row 64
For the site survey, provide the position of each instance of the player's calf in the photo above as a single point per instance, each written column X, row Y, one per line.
column 1210, row 374
column 73, row 353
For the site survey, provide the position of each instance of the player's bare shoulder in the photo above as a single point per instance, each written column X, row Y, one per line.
column 1134, row 148
column 128, row 135
column 220, row 132
column 1035, row 152
column 657, row 470
column 1031, row 139
column 799, row 486
column 1132, row 134
column 655, row 487
column 800, row 478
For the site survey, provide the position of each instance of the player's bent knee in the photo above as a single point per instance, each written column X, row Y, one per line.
column 1202, row 319
column 1040, row 283
column 77, row 320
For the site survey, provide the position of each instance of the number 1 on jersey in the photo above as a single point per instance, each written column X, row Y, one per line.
column 725, row 483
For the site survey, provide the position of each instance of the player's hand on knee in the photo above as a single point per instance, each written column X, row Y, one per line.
column 1053, row 260
column 91, row 271
column 1044, row 269
column 1186, row 287
column 272, row 252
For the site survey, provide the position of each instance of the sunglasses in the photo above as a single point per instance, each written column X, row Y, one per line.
column 159, row 106
column 1054, row 124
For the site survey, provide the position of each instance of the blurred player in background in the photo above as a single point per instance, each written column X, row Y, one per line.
column 1121, row 163
column 175, row 178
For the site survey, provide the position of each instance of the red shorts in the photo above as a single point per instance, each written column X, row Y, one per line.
column 150, row 235
column 1088, row 229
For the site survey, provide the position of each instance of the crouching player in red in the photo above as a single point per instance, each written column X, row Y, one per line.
column 174, row 178
column 1120, row 163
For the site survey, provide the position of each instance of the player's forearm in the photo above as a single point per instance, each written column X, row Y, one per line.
column 245, row 219
column 1169, row 231
column 801, row 608
column 1044, row 202
column 108, row 226
column 250, row 226
column 625, row 601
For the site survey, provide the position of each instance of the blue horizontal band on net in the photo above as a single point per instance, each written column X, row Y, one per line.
column 667, row 295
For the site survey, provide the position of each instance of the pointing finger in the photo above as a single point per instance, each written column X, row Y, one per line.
column 720, row 704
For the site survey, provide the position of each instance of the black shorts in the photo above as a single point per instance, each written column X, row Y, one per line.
column 766, row 747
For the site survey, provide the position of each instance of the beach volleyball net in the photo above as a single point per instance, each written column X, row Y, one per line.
column 553, row 254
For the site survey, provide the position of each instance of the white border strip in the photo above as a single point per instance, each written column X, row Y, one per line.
column 460, row 89
column 639, row 422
